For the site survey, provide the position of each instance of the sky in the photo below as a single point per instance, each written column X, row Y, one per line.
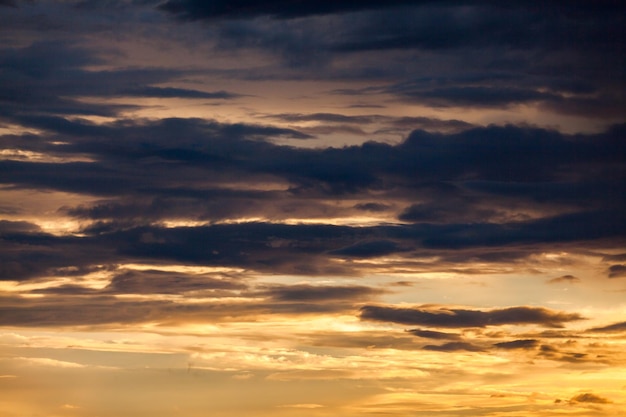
column 312, row 208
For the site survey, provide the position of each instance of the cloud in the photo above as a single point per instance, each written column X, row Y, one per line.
column 475, row 96
column 460, row 318
column 171, row 92
column 313, row 293
column 37, row 255
column 454, row 347
column 422, row 159
column 617, row 271
column 105, row 309
column 373, row 207
column 200, row 177
column 264, row 246
column 516, row 65
column 616, row 327
column 518, row 344
column 431, row 334
column 444, row 211
column 57, row 71
column 564, row 353
column 163, row 282
column 606, row 224
column 368, row 249
column 571, row 279
column 589, row 397
column 196, row 10
column 10, row 227
column 114, row 195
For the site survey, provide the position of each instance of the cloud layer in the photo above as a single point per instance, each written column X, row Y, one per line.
column 349, row 208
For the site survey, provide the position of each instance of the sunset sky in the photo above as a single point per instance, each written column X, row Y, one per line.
column 312, row 208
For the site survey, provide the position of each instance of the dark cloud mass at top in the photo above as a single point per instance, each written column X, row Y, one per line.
column 197, row 9
column 193, row 10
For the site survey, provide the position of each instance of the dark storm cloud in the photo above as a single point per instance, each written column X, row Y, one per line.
column 50, row 77
column 492, row 154
column 197, row 9
column 563, row 192
column 30, row 254
column 474, row 96
column 265, row 245
column 563, row 56
column 170, row 92
column 617, row 271
column 580, row 226
column 74, row 177
column 43, row 77
column 560, row 56
column 547, row 52
column 368, row 249
column 461, row 193
column 122, row 164
column 470, row 176
column 236, row 9
column 205, row 205
column 258, row 246
column 472, row 24
column 445, row 211
column 459, row 318
column 298, row 249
